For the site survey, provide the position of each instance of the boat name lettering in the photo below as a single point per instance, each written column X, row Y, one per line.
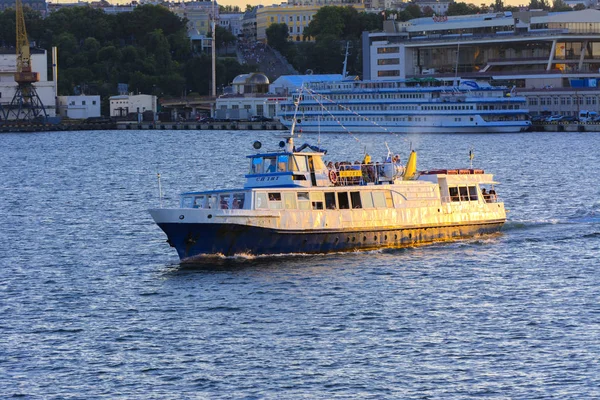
column 267, row 178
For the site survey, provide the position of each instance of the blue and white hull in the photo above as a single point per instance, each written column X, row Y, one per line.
column 192, row 240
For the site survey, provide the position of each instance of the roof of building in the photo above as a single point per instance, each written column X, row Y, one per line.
column 298, row 80
column 255, row 78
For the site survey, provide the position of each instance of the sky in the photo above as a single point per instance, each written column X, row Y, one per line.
column 242, row 3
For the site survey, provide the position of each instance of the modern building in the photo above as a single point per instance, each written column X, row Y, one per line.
column 39, row 62
column 78, row 107
column 295, row 15
column 123, row 105
column 530, row 50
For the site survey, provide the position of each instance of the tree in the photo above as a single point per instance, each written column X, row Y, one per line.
column 560, row 5
column 462, row 9
column 224, row 38
column 579, row 7
column 428, row 12
column 277, row 37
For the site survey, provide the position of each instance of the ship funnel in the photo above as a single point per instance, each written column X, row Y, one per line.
column 411, row 166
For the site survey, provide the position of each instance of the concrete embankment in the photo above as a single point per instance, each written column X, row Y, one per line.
column 38, row 127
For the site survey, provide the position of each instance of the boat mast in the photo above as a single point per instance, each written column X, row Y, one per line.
column 214, row 52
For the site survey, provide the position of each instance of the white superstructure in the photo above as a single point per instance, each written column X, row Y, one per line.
column 406, row 106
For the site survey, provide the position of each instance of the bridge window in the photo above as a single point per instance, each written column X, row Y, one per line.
column 261, row 201
column 269, row 165
column 343, row 200
column 275, row 201
column 379, row 199
column 238, row 201
column 256, row 166
column 303, row 201
column 330, row 201
column 301, row 163
column 188, row 202
column 464, row 194
column 224, row 201
column 289, row 200
column 366, row 200
column 211, row 201
column 317, row 200
column 473, row 193
column 355, row 198
column 282, row 163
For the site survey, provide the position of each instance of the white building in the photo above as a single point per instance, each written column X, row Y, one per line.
column 39, row 63
column 123, row 105
column 79, row 107
column 528, row 50
column 232, row 22
column 251, row 96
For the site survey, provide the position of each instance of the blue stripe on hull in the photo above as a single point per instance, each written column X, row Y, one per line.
column 205, row 239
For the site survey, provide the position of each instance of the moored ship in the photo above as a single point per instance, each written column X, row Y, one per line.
column 292, row 202
column 407, row 107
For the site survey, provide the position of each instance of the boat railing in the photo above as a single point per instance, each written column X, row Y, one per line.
column 465, row 199
column 347, row 174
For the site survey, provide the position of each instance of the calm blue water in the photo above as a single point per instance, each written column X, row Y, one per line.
column 93, row 302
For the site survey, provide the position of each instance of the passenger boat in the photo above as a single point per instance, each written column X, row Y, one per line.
column 407, row 107
column 293, row 203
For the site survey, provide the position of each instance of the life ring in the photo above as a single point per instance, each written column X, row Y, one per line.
column 332, row 176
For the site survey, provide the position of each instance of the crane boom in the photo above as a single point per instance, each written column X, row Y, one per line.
column 24, row 73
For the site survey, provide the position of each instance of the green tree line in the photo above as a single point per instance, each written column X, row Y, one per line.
column 148, row 49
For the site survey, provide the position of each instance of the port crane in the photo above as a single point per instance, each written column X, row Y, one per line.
column 26, row 104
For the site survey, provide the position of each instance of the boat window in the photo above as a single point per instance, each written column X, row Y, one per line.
column 453, row 194
column 330, row 201
column 269, row 165
column 317, row 199
column 318, row 163
column 289, row 200
column 301, row 163
column 238, row 201
column 282, row 163
column 464, row 193
column 256, row 166
column 303, row 201
column 379, row 199
column 366, row 200
column 388, row 199
column 261, row 201
column 211, row 201
column 355, row 197
column 224, row 201
column 473, row 193
column 275, row 201
column 187, row 202
column 199, row 202
column 343, row 200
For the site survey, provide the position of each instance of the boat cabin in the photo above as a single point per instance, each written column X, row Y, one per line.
column 287, row 169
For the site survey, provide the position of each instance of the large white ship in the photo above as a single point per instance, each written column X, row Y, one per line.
column 413, row 106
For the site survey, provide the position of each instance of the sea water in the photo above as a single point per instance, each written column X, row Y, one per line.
column 94, row 303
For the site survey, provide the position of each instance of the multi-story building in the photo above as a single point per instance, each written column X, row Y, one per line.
column 39, row 62
column 295, row 15
column 232, row 22
column 37, row 5
column 199, row 15
column 249, row 24
column 530, row 50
